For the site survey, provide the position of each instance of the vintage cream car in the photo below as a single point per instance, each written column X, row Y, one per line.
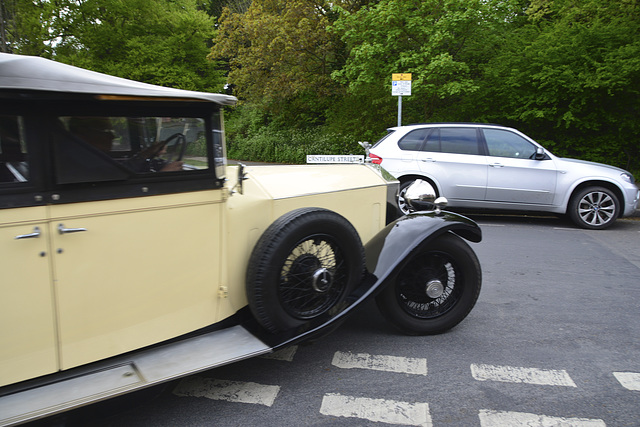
column 131, row 254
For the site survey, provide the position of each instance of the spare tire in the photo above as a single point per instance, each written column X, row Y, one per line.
column 303, row 266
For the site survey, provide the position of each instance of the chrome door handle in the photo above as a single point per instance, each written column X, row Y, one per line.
column 496, row 165
column 35, row 234
column 63, row 230
column 427, row 160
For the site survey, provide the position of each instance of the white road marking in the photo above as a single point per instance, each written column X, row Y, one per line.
column 523, row 419
column 286, row 354
column 405, row 365
column 629, row 380
column 231, row 391
column 510, row 374
column 377, row 410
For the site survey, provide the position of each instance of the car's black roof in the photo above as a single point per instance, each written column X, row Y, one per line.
column 32, row 73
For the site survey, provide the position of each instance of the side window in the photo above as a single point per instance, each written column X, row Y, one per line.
column 459, row 141
column 433, row 142
column 89, row 149
column 503, row 143
column 413, row 140
column 14, row 162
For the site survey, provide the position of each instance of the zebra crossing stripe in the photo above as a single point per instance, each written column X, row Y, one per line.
column 629, row 380
column 231, row 391
column 510, row 374
column 377, row 410
column 405, row 365
column 523, row 419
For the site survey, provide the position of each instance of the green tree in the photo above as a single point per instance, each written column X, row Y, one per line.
column 571, row 78
column 280, row 57
column 154, row 41
column 24, row 26
column 437, row 41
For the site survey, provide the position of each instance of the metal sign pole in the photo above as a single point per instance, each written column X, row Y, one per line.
column 400, row 85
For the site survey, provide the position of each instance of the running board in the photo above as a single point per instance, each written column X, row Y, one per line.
column 124, row 374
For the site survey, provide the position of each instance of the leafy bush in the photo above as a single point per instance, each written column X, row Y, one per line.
column 289, row 145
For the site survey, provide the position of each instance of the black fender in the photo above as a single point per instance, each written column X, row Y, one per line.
column 392, row 245
column 385, row 253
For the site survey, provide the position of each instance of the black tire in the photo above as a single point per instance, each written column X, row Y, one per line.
column 303, row 266
column 435, row 289
column 594, row 208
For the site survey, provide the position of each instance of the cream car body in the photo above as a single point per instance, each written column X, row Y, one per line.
column 130, row 266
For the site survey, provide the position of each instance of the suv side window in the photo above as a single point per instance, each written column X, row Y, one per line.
column 433, row 142
column 113, row 148
column 459, row 141
column 503, row 143
column 413, row 140
column 14, row 165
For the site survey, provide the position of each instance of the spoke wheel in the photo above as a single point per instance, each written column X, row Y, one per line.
column 428, row 288
column 435, row 290
column 312, row 278
column 594, row 208
column 304, row 266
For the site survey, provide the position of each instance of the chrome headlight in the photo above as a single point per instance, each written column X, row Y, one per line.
column 627, row 177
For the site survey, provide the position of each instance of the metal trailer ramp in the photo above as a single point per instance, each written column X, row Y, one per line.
column 124, row 374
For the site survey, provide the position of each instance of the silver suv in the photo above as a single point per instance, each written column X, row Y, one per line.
column 495, row 167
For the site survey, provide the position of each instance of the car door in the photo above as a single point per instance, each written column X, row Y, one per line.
column 453, row 157
column 514, row 175
column 137, row 247
column 27, row 334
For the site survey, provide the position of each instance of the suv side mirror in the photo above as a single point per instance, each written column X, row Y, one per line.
column 540, row 154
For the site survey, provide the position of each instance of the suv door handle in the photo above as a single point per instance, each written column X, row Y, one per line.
column 63, row 230
column 496, row 165
column 35, row 234
column 430, row 159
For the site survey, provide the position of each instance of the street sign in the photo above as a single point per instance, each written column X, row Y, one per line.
column 401, row 84
column 401, row 76
column 351, row 158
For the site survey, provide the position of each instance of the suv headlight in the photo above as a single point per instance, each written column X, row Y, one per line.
column 627, row 177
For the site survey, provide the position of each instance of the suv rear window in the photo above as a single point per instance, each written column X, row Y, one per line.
column 442, row 140
column 413, row 140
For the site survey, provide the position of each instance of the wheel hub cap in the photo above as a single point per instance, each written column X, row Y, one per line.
column 322, row 280
column 434, row 289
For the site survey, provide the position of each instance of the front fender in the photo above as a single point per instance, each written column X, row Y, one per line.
column 391, row 246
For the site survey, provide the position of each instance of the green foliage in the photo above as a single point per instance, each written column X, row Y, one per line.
column 434, row 40
column 279, row 54
column 24, row 26
column 314, row 76
column 571, row 77
column 288, row 145
column 154, row 41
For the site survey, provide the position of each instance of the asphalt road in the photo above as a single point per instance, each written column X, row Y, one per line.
column 553, row 340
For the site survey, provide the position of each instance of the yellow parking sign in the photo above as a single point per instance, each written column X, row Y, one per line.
column 401, row 84
column 401, row 77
